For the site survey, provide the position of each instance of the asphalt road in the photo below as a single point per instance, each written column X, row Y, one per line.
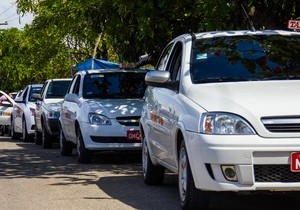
column 35, row 178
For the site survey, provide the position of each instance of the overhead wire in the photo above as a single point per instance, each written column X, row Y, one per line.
column 6, row 10
column 13, row 4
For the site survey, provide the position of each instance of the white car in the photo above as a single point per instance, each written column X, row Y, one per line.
column 101, row 112
column 223, row 112
column 47, row 110
column 6, row 106
column 22, row 117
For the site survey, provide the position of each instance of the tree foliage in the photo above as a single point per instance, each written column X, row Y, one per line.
column 64, row 32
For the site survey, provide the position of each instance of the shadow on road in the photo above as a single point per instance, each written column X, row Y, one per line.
column 32, row 161
column 140, row 196
column 118, row 174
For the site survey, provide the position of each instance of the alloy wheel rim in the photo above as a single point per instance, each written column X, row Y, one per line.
column 182, row 175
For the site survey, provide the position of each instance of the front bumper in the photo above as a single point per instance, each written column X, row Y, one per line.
column 108, row 137
column 53, row 126
column 259, row 163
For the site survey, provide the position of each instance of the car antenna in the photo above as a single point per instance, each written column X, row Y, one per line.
column 248, row 18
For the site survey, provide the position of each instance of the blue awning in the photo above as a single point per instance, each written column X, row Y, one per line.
column 98, row 64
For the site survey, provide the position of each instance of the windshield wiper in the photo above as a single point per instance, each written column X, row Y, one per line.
column 221, row 79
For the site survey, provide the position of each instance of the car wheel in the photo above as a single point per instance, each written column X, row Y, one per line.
column 46, row 139
column 37, row 137
column 83, row 154
column 13, row 134
column 65, row 146
column 25, row 135
column 152, row 174
column 190, row 196
column 2, row 131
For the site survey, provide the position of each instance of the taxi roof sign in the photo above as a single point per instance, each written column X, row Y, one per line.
column 294, row 24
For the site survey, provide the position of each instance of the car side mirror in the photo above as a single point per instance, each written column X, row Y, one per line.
column 71, row 97
column 160, row 79
column 37, row 96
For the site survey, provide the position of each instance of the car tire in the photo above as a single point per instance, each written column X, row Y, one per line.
column 13, row 134
column 2, row 130
column 37, row 137
column 46, row 139
column 25, row 136
column 152, row 174
column 66, row 147
column 83, row 154
column 190, row 196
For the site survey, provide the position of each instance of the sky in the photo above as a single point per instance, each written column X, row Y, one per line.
column 8, row 12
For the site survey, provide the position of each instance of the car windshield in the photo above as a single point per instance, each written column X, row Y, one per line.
column 114, row 85
column 32, row 91
column 57, row 89
column 246, row 58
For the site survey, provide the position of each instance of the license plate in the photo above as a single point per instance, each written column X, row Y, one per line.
column 134, row 135
column 295, row 161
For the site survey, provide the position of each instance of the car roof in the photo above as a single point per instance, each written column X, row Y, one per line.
column 60, row 79
column 111, row 71
column 212, row 34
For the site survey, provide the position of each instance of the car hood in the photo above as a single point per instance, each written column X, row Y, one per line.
column 53, row 104
column 251, row 100
column 53, row 100
column 113, row 108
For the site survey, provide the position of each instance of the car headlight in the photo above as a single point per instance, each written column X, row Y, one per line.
column 225, row 124
column 53, row 114
column 99, row 119
column 53, row 110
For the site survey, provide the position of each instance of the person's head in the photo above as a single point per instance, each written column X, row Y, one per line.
column 11, row 96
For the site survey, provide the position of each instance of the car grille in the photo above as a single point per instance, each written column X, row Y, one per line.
column 275, row 173
column 282, row 124
column 129, row 121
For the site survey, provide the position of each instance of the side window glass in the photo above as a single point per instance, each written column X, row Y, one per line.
column 76, row 85
column 43, row 89
column 162, row 63
column 24, row 94
column 175, row 62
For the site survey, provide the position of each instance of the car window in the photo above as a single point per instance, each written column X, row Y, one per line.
column 175, row 62
column 246, row 58
column 57, row 89
column 75, row 88
column 164, row 58
column 24, row 93
column 44, row 88
column 117, row 85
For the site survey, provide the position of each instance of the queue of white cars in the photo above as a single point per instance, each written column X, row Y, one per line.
column 221, row 111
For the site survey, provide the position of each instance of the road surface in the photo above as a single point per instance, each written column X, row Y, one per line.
column 32, row 178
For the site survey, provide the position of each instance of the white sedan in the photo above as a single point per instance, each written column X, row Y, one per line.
column 222, row 112
column 6, row 106
column 101, row 112
column 23, row 124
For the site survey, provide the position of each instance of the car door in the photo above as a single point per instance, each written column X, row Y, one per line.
column 38, row 111
column 166, row 109
column 19, row 110
column 69, row 111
